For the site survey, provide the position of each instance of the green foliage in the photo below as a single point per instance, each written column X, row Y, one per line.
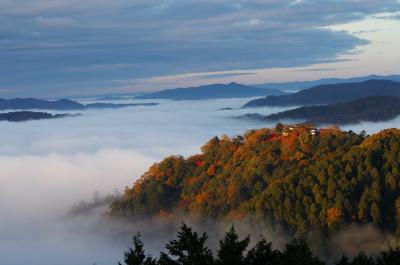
column 306, row 182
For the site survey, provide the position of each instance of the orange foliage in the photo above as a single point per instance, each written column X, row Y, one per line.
column 333, row 215
column 211, row 170
column 202, row 197
column 193, row 180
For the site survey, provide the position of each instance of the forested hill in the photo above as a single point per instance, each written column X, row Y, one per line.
column 381, row 108
column 19, row 116
column 327, row 94
column 231, row 90
column 303, row 178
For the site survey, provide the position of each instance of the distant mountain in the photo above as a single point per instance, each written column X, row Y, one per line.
column 32, row 103
column 232, row 90
column 19, row 116
column 326, row 94
column 379, row 108
column 115, row 106
column 300, row 85
column 62, row 104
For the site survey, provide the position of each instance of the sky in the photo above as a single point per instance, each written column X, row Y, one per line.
column 59, row 48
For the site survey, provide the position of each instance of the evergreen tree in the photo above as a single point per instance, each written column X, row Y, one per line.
column 262, row 254
column 343, row 261
column 137, row 256
column 298, row 252
column 231, row 249
column 188, row 249
column 390, row 257
column 362, row 259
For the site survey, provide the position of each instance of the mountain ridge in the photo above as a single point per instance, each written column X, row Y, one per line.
column 373, row 109
column 212, row 91
column 326, row 94
column 295, row 86
column 60, row 104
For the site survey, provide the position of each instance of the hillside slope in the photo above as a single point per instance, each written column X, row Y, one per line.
column 302, row 181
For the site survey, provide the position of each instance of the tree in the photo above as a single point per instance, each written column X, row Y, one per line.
column 343, row 261
column 262, row 254
column 188, row 249
column 137, row 256
column 231, row 249
column 362, row 259
column 390, row 257
column 298, row 252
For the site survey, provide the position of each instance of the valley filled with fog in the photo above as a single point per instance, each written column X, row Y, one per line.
column 49, row 165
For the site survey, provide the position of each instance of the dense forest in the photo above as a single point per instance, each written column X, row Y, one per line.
column 311, row 181
column 190, row 248
column 379, row 108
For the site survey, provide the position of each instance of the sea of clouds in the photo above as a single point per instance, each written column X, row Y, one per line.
column 47, row 166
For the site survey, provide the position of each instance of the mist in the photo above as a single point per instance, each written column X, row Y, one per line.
column 49, row 165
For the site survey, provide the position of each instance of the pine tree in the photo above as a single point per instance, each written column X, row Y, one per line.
column 137, row 256
column 231, row 249
column 390, row 257
column 362, row 259
column 343, row 261
column 298, row 252
column 262, row 254
column 188, row 249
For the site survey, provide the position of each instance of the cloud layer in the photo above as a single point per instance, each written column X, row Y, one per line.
column 44, row 43
column 49, row 165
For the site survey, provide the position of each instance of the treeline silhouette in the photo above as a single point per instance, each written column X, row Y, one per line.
column 189, row 248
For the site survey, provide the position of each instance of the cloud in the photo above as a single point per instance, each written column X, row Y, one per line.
column 55, row 22
column 158, row 38
column 100, row 67
column 316, row 70
column 47, row 166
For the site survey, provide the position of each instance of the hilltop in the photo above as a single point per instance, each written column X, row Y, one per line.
column 306, row 179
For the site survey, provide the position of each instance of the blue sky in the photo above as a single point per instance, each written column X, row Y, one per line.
column 82, row 47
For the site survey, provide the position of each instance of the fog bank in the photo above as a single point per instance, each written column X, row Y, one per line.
column 48, row 165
